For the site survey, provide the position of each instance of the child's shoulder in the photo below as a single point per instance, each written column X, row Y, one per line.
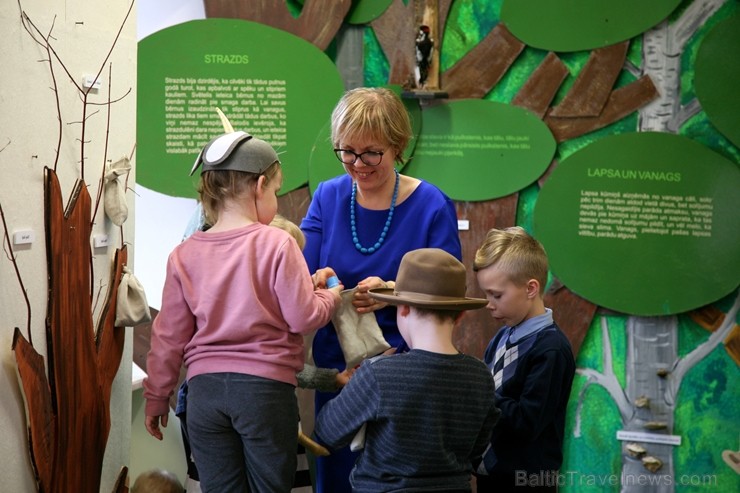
column 553, row 338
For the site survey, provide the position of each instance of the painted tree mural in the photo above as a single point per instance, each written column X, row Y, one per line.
column 648, row 403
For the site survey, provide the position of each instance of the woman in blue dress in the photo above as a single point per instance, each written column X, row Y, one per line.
column 362, row 223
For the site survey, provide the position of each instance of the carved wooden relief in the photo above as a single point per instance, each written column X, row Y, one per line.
column 68, row 399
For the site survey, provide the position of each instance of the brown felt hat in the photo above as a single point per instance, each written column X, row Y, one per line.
column 430, row 278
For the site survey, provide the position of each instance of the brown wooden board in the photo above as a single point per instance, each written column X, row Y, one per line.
column 476, row 73
column 318, row 22
column 621, row 103
column 540, row 89
column 594, row 83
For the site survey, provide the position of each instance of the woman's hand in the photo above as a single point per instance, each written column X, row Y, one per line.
column 362, row 301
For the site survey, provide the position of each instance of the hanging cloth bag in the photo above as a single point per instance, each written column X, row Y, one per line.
column 114, row 191
column 131, row 306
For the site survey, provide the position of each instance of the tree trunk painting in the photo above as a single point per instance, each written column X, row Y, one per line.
column 652, row 350
column 652, row 341
column 68, row 410
column 654, row 376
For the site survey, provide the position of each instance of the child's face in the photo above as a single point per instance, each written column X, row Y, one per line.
column 268, row 203
column 508, row 302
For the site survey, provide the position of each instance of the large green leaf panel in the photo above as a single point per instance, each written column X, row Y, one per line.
column 269, row 83
column 717, row 75
column 477, row 150
column 575, row 25
column 643, row 223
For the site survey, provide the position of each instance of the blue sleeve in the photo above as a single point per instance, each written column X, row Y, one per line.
column 342, row 417
column 444, row 233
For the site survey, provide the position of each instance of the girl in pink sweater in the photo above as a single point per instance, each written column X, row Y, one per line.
column 236, row 303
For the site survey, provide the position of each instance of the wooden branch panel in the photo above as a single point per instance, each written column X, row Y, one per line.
column 594, row 83
column 396, row 33
column 318, row 22
column 481, row 69
column 621, row 103
column 540, row 89
column 572, row 313
column 477, row 327
column 69, row 411
column 40, row 418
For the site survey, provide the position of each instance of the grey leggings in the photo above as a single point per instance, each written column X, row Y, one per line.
column 244, row 432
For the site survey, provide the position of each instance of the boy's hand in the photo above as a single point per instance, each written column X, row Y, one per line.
column 343, row 377
column 152, row 425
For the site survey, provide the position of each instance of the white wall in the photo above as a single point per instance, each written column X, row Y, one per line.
column 161, row 228
column 83, row 33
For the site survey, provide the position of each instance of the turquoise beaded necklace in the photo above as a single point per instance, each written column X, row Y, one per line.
column 353, row 222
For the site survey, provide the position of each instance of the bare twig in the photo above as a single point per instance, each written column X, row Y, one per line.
column 34, row 31
column 101, row 182
column 8, row 249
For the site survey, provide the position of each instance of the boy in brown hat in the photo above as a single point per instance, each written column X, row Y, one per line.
column 426, row 414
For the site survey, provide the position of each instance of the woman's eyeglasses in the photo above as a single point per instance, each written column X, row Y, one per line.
column 370, row 158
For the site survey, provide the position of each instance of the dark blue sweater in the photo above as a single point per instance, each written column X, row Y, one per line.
column 428, row 417
column 533, row 403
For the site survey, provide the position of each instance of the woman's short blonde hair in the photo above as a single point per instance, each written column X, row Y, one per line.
column 376, row 113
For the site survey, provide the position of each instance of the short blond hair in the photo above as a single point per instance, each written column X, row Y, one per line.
column 292, row 228
column 157, row 481
column 377, row 113
column 516, row 253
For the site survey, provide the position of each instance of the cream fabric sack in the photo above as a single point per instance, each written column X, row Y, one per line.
column 131, row 306
column 359, row 334
column 114, row 191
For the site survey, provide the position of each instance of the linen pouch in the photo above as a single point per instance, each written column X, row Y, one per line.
column 132, row 307
column 114, row 191
column 359, row 334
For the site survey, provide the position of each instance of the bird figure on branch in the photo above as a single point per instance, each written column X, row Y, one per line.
column 424, row 49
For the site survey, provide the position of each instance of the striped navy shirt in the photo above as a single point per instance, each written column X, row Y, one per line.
column 428, row 416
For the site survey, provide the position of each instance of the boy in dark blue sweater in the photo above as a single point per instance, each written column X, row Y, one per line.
column 532, row 365
column 427, row 414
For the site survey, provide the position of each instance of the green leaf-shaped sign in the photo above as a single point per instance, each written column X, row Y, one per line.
column 575, row 25
column 481, row 150
column 643, row 223
column 269, row 83
column 716, row 76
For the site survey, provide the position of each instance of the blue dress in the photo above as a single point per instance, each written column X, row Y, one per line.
column 426, row 219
